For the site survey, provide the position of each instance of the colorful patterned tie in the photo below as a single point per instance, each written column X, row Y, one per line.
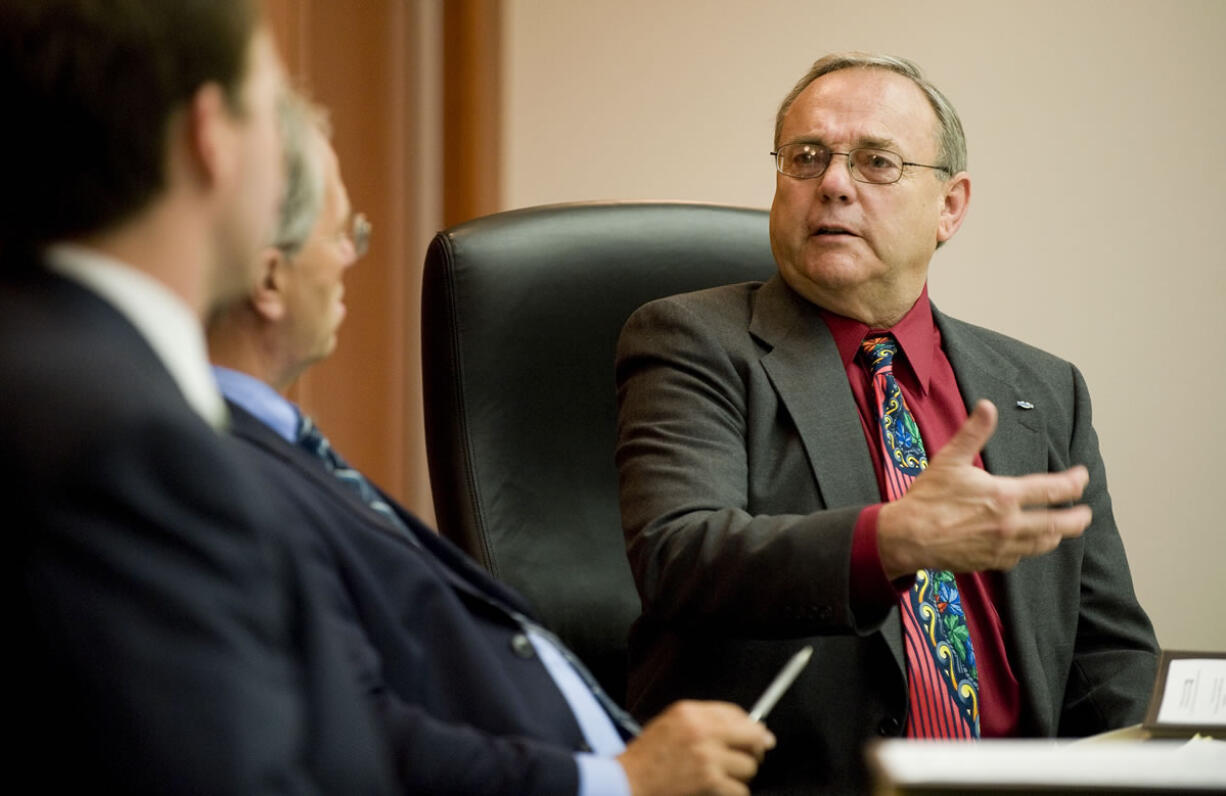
column 942, row 678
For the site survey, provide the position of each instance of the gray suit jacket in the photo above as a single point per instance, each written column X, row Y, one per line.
column 743, row 469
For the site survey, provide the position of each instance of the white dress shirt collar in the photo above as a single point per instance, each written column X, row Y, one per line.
column 166, row 322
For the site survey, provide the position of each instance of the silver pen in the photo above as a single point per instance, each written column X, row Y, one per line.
column 787, row 675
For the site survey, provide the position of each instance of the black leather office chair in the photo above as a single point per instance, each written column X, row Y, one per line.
column 520, row 317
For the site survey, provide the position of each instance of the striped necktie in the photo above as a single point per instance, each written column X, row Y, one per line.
column 311, row 439
column 942, row 678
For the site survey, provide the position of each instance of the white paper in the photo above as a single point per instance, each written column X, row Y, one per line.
column 1195, row 692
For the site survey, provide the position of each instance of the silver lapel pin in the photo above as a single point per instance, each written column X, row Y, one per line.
column 1025, row 405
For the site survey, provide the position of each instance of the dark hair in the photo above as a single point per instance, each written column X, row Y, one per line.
column 89, row 88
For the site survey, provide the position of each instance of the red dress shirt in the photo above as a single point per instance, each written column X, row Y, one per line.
column 927, row 382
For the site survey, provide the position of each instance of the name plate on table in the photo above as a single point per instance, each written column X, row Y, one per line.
column 1189, row 695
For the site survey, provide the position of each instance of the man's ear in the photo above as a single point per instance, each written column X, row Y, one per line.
column 268, row 297
column 953, row 208
column 212, row 136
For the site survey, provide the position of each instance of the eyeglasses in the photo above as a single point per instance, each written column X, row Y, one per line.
column 876, row 166
column 359, row 234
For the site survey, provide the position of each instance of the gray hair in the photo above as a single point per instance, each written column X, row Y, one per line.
column 951, row 138
column 300, row 121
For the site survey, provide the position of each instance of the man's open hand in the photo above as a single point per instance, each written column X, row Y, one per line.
column 958, row 517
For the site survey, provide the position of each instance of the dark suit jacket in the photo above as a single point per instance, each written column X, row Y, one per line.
column 743, row 469
column 164, row 643
column 468, row 705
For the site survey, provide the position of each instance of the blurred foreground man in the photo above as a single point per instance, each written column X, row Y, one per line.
column 476, row 696
column 826, row 454
column 161, row 640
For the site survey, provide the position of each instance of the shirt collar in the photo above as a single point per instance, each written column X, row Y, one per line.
column 166, row 322
column 262, row 401
column 916, row 334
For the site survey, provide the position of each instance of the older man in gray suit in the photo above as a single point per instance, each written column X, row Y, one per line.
column 825, row 458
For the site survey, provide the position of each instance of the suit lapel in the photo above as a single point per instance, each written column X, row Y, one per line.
column 467, row 576
column 1017, row 448
column 249, row 428
column 806, row 370
column 807, row 373
column 454, row 566
column 1018, row 445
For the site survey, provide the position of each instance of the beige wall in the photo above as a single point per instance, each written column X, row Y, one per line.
column 1098, row 206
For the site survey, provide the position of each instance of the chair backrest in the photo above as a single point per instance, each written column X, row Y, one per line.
column 520, row 317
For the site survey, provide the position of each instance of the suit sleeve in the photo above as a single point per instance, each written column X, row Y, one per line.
column 1114, row 655
column 701, row 554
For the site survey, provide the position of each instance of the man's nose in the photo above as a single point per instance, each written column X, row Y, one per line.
column 836, row 183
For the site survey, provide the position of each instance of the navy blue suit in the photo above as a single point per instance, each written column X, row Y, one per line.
column 467, row 704
column 161, row 641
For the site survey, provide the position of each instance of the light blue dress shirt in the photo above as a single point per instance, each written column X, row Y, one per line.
column 599, row 773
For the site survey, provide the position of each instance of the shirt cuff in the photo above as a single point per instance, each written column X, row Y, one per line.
column 601, row 776
column 869, row 584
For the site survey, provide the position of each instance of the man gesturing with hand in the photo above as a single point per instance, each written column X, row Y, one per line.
column 961, row 518
column 827, row 459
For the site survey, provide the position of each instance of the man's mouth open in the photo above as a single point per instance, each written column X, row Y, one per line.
column 833, row 232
